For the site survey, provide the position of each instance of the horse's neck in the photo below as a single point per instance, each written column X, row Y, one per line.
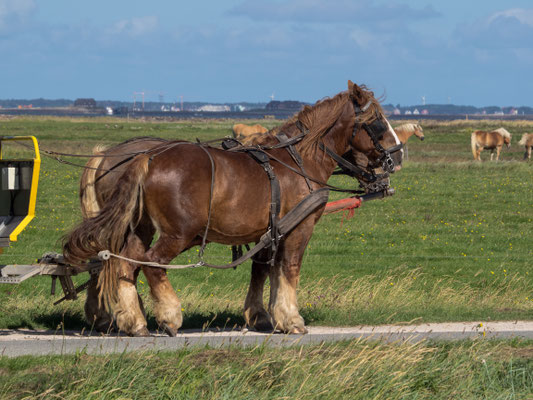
column 403, row 135
column 337, row 140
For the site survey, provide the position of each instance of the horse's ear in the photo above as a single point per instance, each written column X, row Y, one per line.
column 350, row 86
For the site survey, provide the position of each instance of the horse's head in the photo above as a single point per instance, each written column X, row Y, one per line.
column 372, row 134
column 507, row 141
column 419, row 132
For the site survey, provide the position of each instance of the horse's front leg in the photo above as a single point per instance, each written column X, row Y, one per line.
column 255, row 314
column 284, row 278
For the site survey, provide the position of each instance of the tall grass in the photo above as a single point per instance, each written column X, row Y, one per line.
column 358, row 369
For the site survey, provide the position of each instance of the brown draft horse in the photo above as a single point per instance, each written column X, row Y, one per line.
column 527, row 142
column 242, row 131
column 405, row 131
column 170, row 192
column 100, row 176
column 493, row 140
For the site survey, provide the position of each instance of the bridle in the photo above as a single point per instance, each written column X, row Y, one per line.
column 376, row 129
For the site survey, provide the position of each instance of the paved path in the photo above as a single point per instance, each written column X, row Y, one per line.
column 15, row 343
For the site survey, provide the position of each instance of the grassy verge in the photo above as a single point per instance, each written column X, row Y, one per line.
column 351, row 370
column 454, row 243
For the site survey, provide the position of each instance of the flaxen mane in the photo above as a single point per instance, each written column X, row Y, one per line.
column 503, row 132
column 408, row 128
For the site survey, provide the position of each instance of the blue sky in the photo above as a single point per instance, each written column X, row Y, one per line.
column 477, row 52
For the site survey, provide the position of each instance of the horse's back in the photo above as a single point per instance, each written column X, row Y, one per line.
column 487, row 140
column 240, row 130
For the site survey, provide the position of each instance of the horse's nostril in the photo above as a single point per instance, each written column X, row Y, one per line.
column 397, row 168
column 422, row 138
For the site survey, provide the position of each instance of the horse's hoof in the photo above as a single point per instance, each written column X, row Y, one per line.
column 105, row 327
column 142, row 332
column 264, row 326
column 169, row 330
column 262, row 323
column 298, row 330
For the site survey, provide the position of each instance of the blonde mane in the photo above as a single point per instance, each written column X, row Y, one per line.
column 408, row 128
column 503, row 132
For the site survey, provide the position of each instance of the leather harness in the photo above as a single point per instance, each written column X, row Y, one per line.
column 375, row 130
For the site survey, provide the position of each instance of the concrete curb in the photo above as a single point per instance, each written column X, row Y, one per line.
column 14, row 343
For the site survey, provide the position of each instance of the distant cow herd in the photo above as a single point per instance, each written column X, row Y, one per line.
column 480, row 140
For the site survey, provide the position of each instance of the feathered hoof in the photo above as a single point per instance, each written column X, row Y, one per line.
column 169, row 329
column 142, row 332
column 298, row 330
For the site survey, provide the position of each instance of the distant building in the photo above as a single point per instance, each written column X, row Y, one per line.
column 513, row 111
column 425, row 112
column 408, row 112
column 85, row 103
column 214, row 108
column 416, row 112
column 396, row 111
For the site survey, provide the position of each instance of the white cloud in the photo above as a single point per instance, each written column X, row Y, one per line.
column 14, row 10
column 135, row 26
column 522, row 15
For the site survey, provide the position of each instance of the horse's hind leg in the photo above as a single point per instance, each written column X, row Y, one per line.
column 167, row 307
column 129, row 312
column 477, row 155
column 284, row 278
column 527, row 154
column 96, row 316
column 255, row 314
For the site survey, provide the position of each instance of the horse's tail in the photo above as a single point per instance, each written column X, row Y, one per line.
column 523, row 141
column 108, row 230
column 89, row 203
column 473, row 142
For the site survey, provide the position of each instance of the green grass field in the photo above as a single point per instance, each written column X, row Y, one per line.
column 453, row 244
